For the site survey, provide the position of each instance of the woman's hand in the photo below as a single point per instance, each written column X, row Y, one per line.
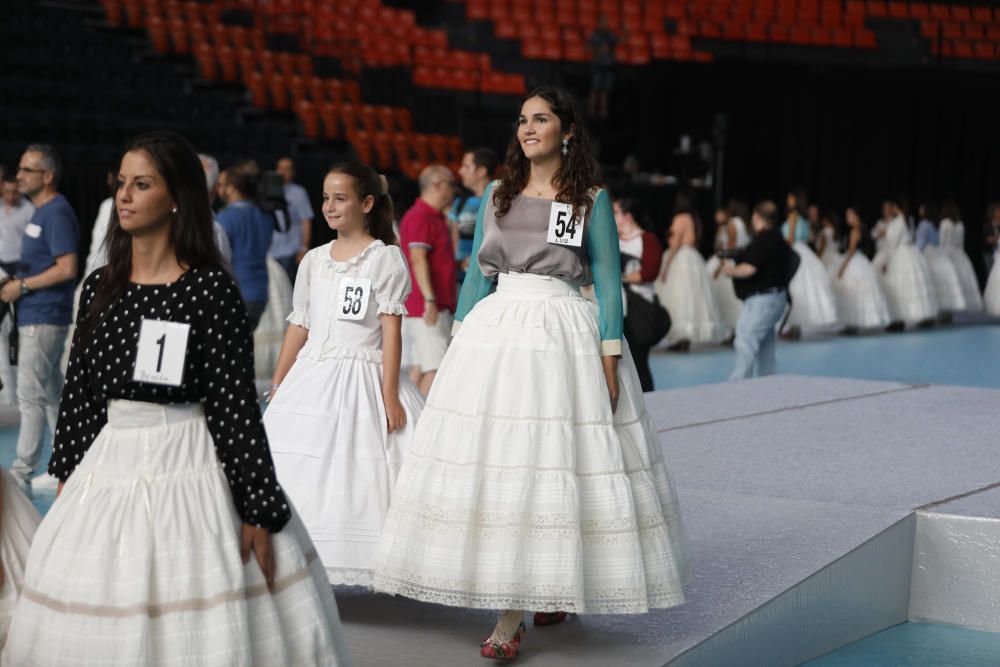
column 59, row 487
column 258, row 540
column 611, row 376
column 394, row 413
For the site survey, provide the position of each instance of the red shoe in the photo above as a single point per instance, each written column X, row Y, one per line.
column 549, row 617
column 498, row 650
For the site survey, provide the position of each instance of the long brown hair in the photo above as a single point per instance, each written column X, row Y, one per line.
column 577, row 174
column 367, row 181
column 192, row 234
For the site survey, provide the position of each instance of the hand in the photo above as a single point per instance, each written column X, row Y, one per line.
column 430, row 313
column 885, row 268
column 258, row 540
column 394, row 413
column 611, row 376
column 11, row 291
column 719, row 271
column 59, row 487
column 840, row 274
column 269, row 396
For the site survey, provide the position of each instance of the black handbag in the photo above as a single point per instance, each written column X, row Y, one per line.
column 647, row 322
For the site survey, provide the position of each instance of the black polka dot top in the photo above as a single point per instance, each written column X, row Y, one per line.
column 218, row 373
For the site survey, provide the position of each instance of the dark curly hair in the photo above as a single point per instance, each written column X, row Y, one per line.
column 577, row 174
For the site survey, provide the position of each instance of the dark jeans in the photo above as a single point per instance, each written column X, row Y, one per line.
column 254, row 311
column 289, row 265
column 640, row 355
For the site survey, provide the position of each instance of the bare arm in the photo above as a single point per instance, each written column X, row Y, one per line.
column 392, row 349
column 743, row 270
column 793, row 223
column 64, row 270
column 295, row 338
column 422, row 270
column 852, row 247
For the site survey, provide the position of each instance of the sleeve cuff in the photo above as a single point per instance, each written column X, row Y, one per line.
column 392, row 308
column 455, row 326
column 611, row 348
column 298, row 319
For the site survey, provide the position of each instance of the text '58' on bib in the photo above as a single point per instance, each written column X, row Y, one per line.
column 162, row 349
column 353, row 301
column 564, row 229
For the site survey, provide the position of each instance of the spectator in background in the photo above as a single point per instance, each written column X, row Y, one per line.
column 475, row 173
column 43, row 290
column 211, row 167
column 602, row 44
column 249, row 231
column 289, row 247
column 97, row 256
column 426, row 242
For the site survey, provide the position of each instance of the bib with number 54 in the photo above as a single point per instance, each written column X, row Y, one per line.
column 161, row 353
column 352, row 303
column 564, row 229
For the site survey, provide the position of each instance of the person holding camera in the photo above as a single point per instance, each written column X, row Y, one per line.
column 761, row 273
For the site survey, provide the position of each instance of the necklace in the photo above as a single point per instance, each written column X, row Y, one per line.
column 538, row 191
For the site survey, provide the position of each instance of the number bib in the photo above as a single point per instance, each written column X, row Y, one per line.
column 161, row 353
column 563, row 228
column 353, row 302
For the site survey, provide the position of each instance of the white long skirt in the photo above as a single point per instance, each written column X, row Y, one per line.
column 17, row 529
column 906, row 283
column 725, row 295
column 813, row 304
column 967, row 278
column 947, row 288
column 334, row 455
column 860, row 301
column 523, row 490
column 687, row 296
column 138, row 562
column 270, row 332
column 991, row 295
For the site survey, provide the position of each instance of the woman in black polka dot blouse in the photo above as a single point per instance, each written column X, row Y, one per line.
column 167, row 485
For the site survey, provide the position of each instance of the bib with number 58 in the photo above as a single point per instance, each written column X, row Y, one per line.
column 161, row 353
column 352, row 303
column 564, row 229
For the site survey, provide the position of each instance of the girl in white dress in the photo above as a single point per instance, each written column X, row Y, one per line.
column 952, row 241
column 813, row 305
column 685, row 290
column 903, row 273
column 536, row 480
column 991, row 295
column 947, row 288
column 860, row 301
column 340, row 416
column 18, row 522
column 270, row 331
column 731, row 234
column 827, row 241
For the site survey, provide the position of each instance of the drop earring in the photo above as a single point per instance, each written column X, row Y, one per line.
column 565, row 148
column 174, row 210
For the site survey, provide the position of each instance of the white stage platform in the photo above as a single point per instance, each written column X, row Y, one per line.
column 798, row 496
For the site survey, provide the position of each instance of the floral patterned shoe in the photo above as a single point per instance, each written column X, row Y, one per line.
column 549, row 617
column 495, row 649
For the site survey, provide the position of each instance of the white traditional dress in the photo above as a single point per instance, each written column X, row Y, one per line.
column 953, row 243
column 904, row 276
column 17, row 528
column 722, row 285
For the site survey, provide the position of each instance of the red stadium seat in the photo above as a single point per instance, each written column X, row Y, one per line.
column 227, row 64
column 329, row 114
column 205, row 55
column 310, row 118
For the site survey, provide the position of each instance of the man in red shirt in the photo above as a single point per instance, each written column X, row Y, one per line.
column 426, row 242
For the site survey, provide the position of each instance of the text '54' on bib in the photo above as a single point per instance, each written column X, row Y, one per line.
column 564, row 229
column 162, row 349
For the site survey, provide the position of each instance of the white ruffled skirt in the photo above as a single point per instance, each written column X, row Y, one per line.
column 138, row 562
column 860, row 301
column 947, row 288
column 334, row 456
column 270, row 332
column 906, row 283
column 725, row 294
column 18, row 524
column 523, row 490
column 813, row 304
column 991, row 295
column 687, row 296
column 967, row 278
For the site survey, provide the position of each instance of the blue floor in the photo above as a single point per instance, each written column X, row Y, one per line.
column 963, row 355
column 918, row 645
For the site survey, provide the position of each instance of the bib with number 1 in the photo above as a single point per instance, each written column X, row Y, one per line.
column 353, row 301
column 161, row 353
column 564, row 229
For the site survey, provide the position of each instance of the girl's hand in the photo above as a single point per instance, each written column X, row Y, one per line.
column 59, row 488
column 611, row 376
column 258, row 540
column 394, row 413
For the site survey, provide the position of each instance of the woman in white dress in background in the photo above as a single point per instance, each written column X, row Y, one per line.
column 731, row 234
column 827, row 241
column 903, row 274
column 684, row 287
column 813, row 305
column 341, row 417
column 860, row 301
column 991, row 295
column 952, row 234
column 947, row 288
